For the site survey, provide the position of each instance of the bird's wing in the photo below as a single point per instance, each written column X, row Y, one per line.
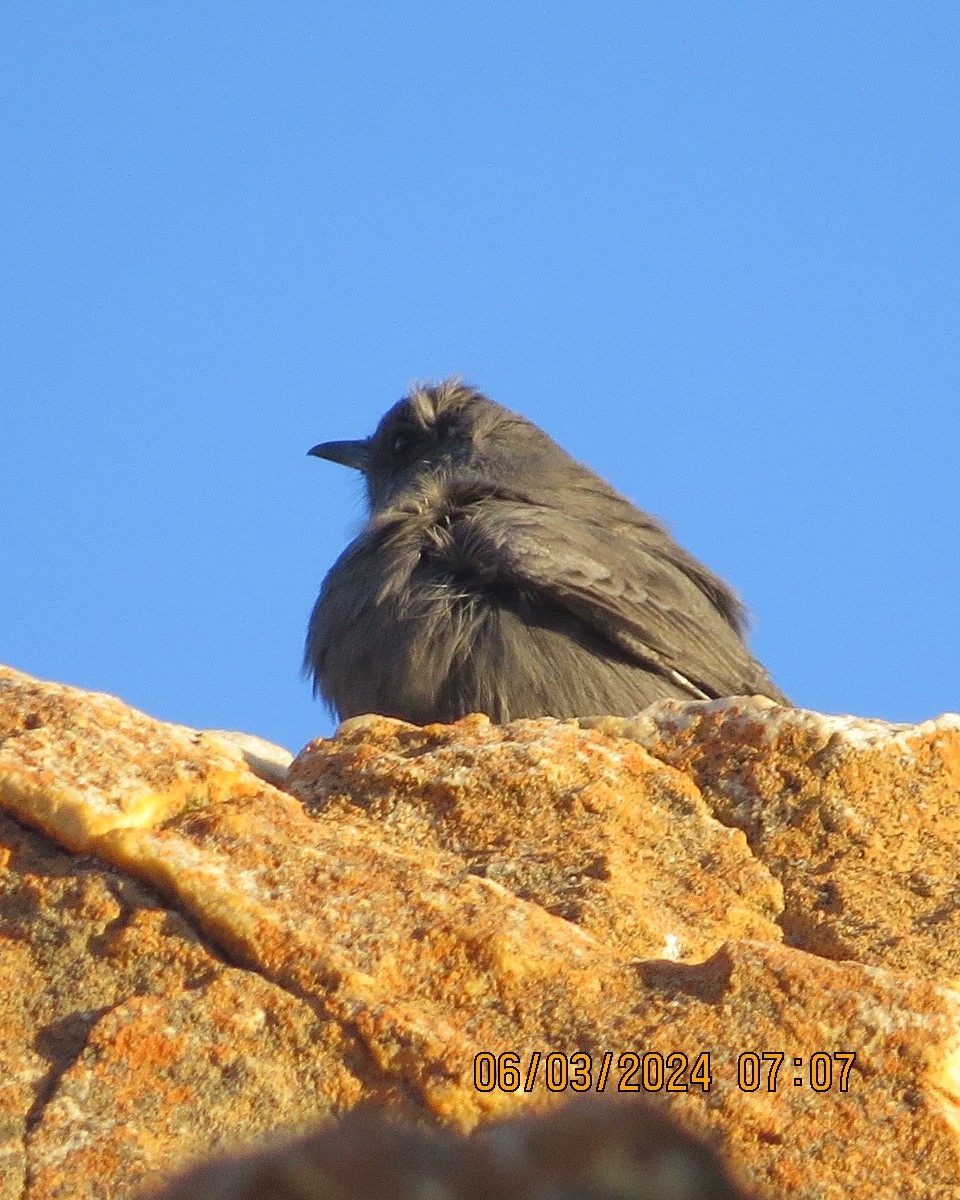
column 627, row 583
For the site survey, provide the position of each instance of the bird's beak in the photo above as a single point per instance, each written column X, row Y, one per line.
column 349, row 454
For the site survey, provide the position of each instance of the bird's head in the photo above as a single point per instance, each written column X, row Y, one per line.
column 450, row 431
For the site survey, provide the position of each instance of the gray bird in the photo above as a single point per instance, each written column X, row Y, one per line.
column 496, row 574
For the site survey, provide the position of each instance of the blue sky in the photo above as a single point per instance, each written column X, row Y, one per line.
column 714, row 249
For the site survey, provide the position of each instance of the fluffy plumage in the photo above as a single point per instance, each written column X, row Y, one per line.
column 496, row 574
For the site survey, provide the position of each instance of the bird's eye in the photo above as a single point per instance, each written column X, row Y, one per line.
column 402, row 441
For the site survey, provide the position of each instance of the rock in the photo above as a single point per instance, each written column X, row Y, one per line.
column 858, row 820
column 267, row 760
column 702, row 921
column 586, row 1151
column 579, row 825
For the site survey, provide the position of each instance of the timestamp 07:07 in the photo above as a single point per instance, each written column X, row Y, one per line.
column 633, row 1071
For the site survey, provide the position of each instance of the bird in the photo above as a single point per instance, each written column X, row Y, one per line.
column 497, row 574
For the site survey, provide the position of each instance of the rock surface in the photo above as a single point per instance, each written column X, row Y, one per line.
column 195, row 960
column 599, row 1151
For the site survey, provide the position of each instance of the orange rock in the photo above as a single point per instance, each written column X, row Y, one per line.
column 609, row 913
column 580, row 824
column 78, row 764
column 858, row 820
